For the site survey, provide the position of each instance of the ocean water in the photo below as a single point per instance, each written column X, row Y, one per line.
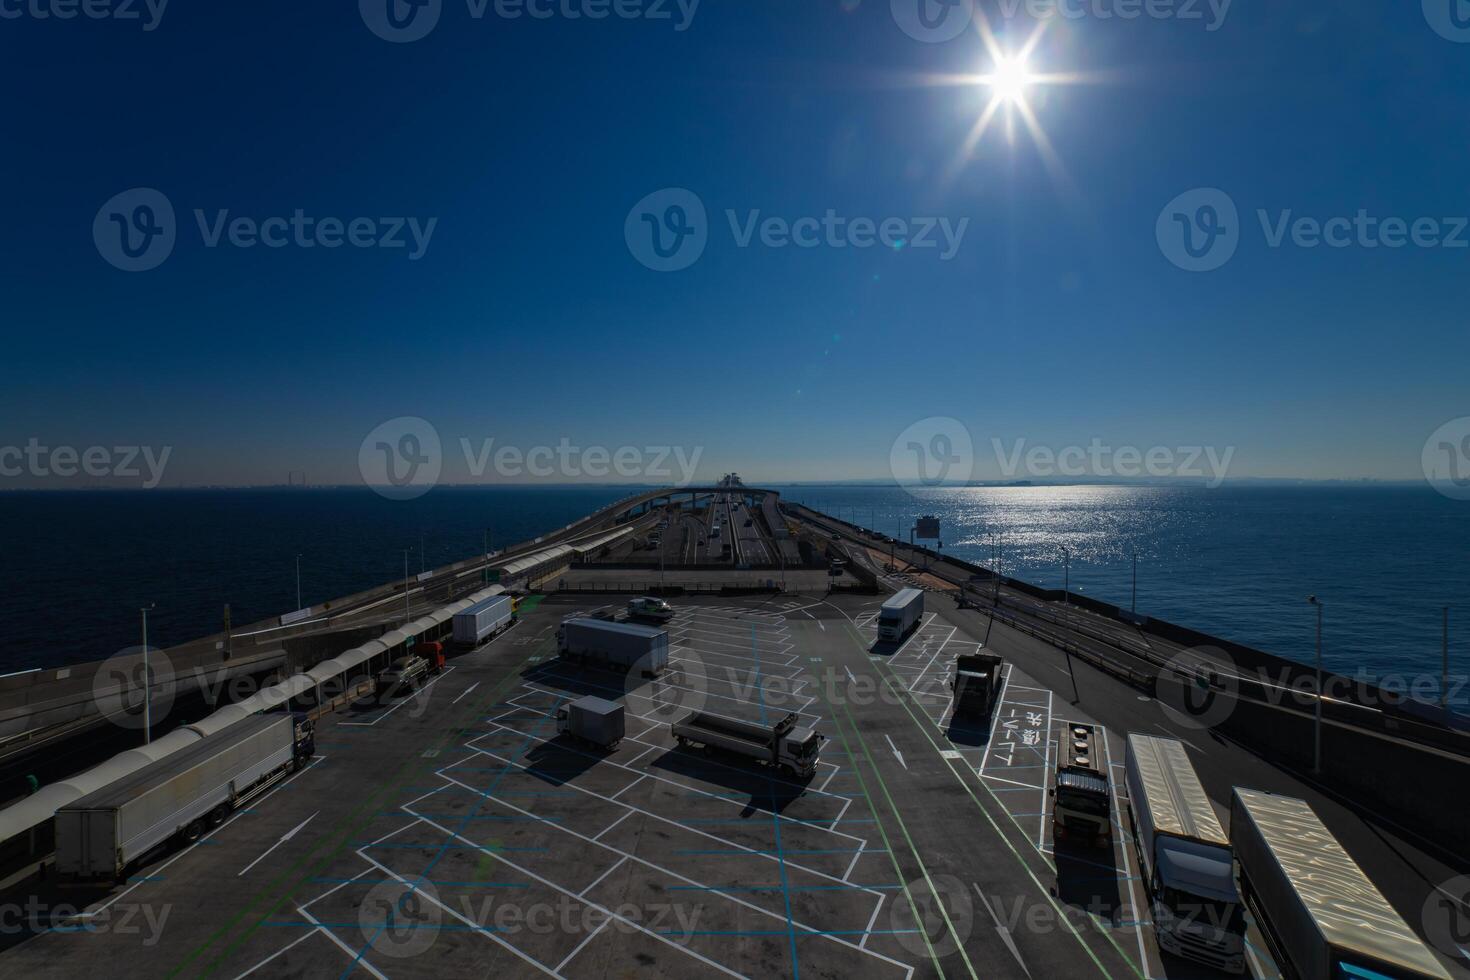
column 1237, row 562
column 76, row 567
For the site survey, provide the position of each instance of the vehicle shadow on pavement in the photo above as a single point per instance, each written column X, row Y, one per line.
column 560, row 761
column 768, row 793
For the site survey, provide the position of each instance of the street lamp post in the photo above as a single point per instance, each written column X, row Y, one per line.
column 298, row 581
column 406, row 616
column 1444, row 675
column 1066, row 576
column 147, row 683
column 1317, row 721
column 1133, row 605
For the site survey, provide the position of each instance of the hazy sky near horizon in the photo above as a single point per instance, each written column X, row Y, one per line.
column 1036, row 290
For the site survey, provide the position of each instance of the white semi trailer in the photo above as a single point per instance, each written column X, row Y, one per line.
column 613, row 645
column 1183, row 855
column 179, row 796
column 779, row 742
column 1320, row 914
column 478, row 623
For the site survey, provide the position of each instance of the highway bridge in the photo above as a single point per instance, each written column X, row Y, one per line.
column 923, row 845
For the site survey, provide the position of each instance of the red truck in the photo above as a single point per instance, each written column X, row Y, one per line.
column 433, row 652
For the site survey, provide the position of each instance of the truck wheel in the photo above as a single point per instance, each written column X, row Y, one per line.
column 193, row 832
column 683, row 742
column 219, row 814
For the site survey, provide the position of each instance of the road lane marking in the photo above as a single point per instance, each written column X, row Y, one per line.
column 466, row 691
column 287, row 836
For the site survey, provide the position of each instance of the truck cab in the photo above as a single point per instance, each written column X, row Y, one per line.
column 1081, row 798
column 976, row 684
column 305, row 737
column 799, row 750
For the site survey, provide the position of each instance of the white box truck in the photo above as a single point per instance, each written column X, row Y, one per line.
column 778, row 742
column 1318, row 912
column 593, row 720
column 612, row 645
column 1183, row 856
column 478, row 623
column 179, row 796
column 900, row 614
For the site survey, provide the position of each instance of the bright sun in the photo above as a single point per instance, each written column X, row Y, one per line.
column 1010, row 79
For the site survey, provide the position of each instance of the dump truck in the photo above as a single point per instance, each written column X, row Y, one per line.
column 178, row 797
column 475, row 624
column 650, row 608
column 976, row 684
column 1081, row 799
column 613, row 645
column 779, row 742
column 592, row 720
column 900, row 614
column 1184, row 856
column 1321, row 916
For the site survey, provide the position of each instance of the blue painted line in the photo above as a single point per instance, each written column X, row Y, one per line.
column 441, row 927
column 137, row 878
column 482, row 816
column 455, row 847
column 842, row 850
column 458, row 884
column 446, row 846
column 804, row 932
column 776, row 887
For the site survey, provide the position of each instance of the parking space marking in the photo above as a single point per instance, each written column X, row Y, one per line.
column 401, row 703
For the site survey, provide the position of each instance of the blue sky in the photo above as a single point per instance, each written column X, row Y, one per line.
column 528, row 319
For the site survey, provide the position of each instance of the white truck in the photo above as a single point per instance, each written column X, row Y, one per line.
column 179, row 796
column 900, row 614
column 1183, row 856
column 592, row 720
column 476, row 624
column 650, row 608
column 613, row 645
column 1321, row 916
column 779, row 743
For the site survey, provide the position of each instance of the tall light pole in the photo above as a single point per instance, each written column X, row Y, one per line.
column 298, row 581
column 1317, row 724
column 1133, row 606
column 1444, row 676
column 421, row 552
column 147, row 683
column 1066, row 576
column 406, row 616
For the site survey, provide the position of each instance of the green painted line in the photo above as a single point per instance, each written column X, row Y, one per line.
column 887, row 844
column 367, row 810
column 883, row 785
column 904, row 699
